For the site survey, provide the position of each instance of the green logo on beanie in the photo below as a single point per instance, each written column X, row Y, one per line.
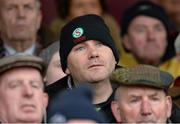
column 78, row 32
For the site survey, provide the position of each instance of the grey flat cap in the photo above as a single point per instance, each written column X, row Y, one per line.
column 14, row 61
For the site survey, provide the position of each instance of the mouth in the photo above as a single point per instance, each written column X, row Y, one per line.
column 95, row 66
column 146, row 121
column 21, row 26
column 28, row 107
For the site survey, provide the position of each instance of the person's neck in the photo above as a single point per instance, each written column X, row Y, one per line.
column 101, row 91
column 20, row 45
column 154, row 62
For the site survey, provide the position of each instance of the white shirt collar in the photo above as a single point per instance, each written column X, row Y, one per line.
column 11, row 51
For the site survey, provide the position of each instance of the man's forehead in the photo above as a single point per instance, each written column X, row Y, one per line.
column 15, row 75
column 154, row 21
column 87, row 43
column 137, row 90
column 14, row 70
column 17, row 2
column 90, row 41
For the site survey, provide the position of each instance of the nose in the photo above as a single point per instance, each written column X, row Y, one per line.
column 151, row 35
column 28, row 90
column 21, row 12
column 145, row 108
column 93, row 52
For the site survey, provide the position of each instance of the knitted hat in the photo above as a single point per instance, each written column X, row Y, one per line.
column 81, row 29
column 142, row 75
column 145, row 8
column 74, row 104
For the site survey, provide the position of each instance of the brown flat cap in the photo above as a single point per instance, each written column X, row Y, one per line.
column 145, row 75
column 19, row 60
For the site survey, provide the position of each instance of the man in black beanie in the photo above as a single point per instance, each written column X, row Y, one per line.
column 88, row 55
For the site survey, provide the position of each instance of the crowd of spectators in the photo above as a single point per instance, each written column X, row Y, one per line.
column 89, row 62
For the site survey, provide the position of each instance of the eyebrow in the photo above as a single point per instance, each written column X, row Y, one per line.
column 155, row 93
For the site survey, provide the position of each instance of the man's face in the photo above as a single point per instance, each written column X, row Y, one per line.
column 83, row 7
column 141, row 105
column 146, row 39
column 19, row 19
column 90, row 61
column 21, row 96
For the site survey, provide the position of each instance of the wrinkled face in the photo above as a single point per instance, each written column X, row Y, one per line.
column 54, row 70
column 141, row 105
column 90, row 61
column 19, row 19
column 83, row 7
column 21, row 96
column 146, row 39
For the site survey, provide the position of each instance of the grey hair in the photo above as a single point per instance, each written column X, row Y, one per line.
column 47, row 53
column 117, row 93
column 38, row 4
column 177, row 44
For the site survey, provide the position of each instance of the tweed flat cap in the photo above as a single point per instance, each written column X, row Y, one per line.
column 145, row 75
column 19, row 60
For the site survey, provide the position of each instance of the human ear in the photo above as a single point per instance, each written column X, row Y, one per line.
column 45, row 100
column 67, row 71
column 169, row 105
column 39, row 20
column 116, row 110
column 126, row 42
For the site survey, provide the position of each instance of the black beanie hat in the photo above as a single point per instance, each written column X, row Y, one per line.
column 146, row 8
column 74, row 104
column 83, row 28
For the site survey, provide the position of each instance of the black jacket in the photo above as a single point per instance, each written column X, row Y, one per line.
column 66, row 83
